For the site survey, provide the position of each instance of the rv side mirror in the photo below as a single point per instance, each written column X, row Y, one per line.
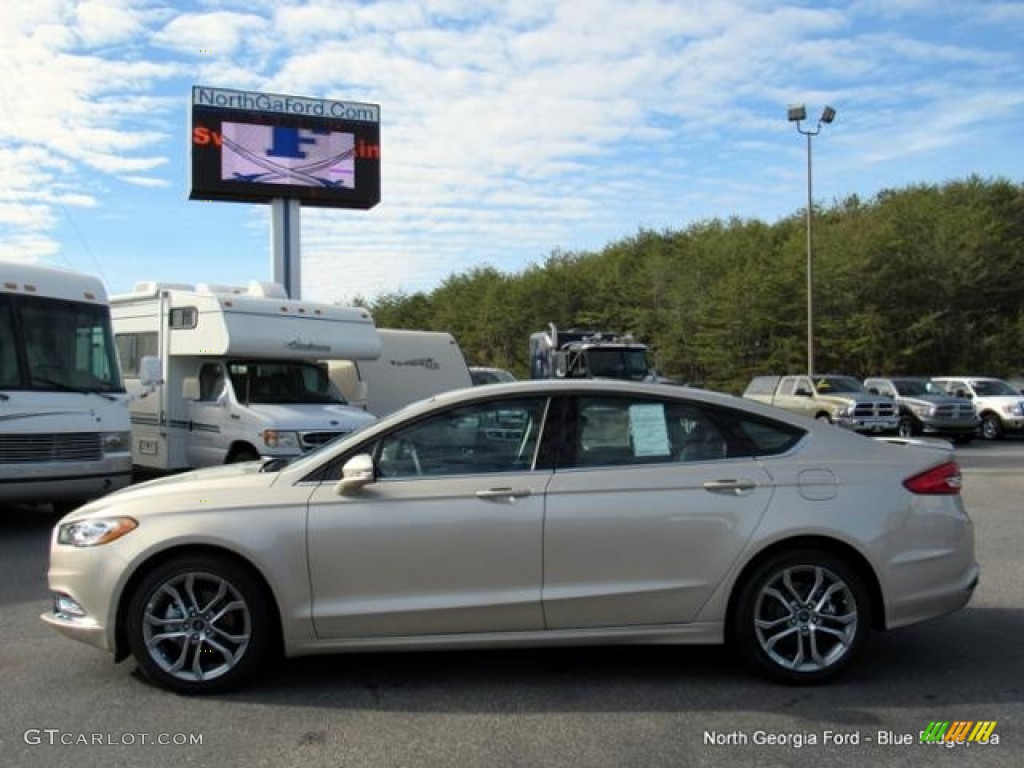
column 149, row 372
column 190, row 388
column 560, row 365
column 357, row 473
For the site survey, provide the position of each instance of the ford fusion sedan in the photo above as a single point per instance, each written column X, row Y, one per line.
column 526, row 514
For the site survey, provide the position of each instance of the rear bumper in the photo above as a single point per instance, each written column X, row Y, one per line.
column 935, row 603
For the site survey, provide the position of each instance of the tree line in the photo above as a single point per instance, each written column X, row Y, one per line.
column 925, row 280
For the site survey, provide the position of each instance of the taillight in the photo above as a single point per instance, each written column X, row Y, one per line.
column 943, row 480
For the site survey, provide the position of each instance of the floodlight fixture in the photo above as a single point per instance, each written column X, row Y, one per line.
column 796, row 113
column 827, row 115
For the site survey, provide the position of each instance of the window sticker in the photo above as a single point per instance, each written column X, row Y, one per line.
column 649, row 430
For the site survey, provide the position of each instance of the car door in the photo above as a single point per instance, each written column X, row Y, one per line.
column 447, row 538
column 656, row 501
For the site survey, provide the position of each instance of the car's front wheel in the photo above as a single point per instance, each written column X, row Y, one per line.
column 801, row 617
column 991, row 427
column 199, row 624
column 906, row 427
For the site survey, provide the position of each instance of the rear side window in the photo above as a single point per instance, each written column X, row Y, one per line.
column 620, row 430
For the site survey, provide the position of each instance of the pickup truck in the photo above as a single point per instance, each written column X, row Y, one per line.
column 840, row 400
column 1000, row 406
column 926, row 409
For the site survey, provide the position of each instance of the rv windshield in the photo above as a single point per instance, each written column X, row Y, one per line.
column 279, row 381
column 618, row 362
column 56, row 345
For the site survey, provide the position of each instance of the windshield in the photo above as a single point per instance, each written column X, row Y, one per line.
column 993, row 388
column 831, row 384
column 915, row 387
column 618, row 362
column 56, row 345
column 278, row 382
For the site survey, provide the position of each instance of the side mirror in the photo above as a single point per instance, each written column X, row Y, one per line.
column 561, row 365
column 150, row 372
column 357, row 473
column 190, row 388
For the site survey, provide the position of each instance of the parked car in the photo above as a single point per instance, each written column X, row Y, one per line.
column 1000, row 407
column 484, row 375
column 926, row 408
column 837, row 399
column 534, row 513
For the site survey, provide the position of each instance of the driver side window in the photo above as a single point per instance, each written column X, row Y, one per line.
column 481, row 438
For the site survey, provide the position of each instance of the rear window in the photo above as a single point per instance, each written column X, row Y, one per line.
column 762, row 385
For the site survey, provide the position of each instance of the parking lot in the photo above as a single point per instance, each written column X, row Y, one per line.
column 66, row 704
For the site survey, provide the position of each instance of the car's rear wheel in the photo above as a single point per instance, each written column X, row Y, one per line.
column 801, row 617
column 991, row 427
column 199, row 624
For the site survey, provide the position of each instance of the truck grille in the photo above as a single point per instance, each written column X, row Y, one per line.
column 311, row 440
column 874, row 410
column 954, row 411
column 32, row 449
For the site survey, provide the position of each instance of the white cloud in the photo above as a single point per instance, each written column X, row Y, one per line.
column 220, row 34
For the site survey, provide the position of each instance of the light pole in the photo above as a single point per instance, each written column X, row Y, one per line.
column 796, row 114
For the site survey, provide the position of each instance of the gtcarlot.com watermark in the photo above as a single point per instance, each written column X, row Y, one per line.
column 57, row 737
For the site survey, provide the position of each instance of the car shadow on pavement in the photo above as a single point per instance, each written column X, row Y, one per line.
column 968, row 657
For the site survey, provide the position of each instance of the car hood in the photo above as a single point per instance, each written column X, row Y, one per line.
column 931, row 400
column 307, row 416
column 853, row 397
column 214, row 487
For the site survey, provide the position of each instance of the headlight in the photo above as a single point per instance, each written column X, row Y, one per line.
column 93, row 533
column 922, row 410
column 272, row 438
column 846, row 411
column 116, row 442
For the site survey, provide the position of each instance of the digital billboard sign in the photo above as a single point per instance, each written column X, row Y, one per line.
column 256, row 147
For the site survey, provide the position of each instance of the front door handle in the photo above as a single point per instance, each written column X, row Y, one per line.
column 503, row 495
column 731, row 486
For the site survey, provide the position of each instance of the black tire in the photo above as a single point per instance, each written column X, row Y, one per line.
column 824, row 417
column 226, row 636
column 801, row 617
column 906, row 427
column 242, row 453
column 991, row 427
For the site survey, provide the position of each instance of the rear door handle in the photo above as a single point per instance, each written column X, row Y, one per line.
column 731, row 486
column 503, row 495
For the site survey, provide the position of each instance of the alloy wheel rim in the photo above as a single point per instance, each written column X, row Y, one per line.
column 196, row 626
column 805, row 618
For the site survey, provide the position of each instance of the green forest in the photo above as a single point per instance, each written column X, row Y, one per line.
column 925, row 280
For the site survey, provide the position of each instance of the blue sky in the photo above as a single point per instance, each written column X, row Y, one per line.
column 509, row 130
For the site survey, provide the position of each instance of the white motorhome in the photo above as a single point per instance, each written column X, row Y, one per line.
column 412, row 365
column 228, row 373
column 64, row 432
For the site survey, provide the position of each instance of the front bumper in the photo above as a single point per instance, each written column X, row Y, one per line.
column 869, row 425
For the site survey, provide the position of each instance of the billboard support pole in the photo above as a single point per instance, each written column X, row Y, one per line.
column 285, row 229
